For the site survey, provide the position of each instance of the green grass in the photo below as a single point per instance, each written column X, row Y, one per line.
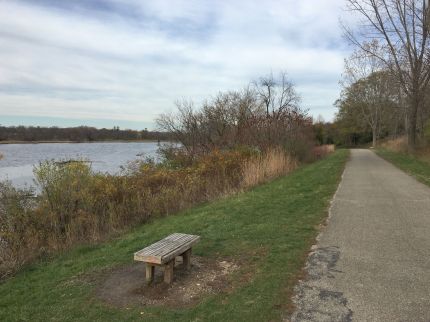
column 274, row 225
column 410, row 164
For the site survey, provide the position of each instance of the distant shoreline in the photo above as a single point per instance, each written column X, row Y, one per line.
column 102, row 141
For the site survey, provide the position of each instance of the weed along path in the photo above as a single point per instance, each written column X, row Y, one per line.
column 372, row 261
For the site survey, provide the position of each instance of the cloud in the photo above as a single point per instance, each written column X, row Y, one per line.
column 130, row 59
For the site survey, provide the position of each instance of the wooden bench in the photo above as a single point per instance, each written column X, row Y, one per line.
column 164, row 252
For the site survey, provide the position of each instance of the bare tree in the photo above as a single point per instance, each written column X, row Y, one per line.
column 360, row 64
column 183, row 125
column 278, row 97
column 263, row 115
column 402, row 27
column 427, row 8
column 373, row 98
column 278, row 94
column 222, row 122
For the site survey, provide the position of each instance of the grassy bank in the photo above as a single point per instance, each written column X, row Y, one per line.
column 76, row 206
column 268, row 230
column 415, row 166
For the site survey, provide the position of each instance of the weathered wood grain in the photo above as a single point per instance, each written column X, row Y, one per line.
column 166, row 249
column 168, row 272
column 150, row 270
column 187, row 259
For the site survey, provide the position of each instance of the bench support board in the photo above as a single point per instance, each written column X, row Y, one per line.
column 150, row 269
column 186, row 258
column 168, row 272
column 168, row 268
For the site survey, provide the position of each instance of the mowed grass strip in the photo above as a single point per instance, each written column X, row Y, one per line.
column 269, row 230
column 412, row 165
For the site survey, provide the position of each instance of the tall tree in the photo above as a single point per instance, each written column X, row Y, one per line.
column 368, row 88
column 402, row 27
column 369, row 100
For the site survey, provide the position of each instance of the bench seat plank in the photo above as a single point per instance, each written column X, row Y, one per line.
column 166, row 249
column 165, row 245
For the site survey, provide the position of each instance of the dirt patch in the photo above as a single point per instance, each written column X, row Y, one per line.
column 125, row 286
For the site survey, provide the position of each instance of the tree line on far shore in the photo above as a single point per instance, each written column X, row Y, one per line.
column 77, row 134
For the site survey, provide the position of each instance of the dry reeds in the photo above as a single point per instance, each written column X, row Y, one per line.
column 323, row 150
column 398, row 145
column 273, row 164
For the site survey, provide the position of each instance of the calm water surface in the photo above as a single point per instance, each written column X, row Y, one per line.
column 19, row 159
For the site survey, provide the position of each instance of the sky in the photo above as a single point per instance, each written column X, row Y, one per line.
column 108, row 63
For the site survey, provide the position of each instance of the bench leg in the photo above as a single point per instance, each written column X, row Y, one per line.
column 168, row 272
column 150, row 269
column 186, row 257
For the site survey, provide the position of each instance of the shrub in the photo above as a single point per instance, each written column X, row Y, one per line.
column 18, row 227
column 65, row 192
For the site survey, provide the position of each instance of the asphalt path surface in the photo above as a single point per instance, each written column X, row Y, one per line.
column 372, row 260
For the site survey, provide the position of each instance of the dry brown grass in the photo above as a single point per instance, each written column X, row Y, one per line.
column 322, row 150
column 398, row 145
column 330, row 148
column 273, row 164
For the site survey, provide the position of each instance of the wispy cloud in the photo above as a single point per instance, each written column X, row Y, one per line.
column 130, row 59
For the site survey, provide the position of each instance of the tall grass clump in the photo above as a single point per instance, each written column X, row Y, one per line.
column 321, row 151
column 397, row 145
column 266, row 167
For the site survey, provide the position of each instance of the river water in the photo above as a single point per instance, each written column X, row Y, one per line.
column 19, row 159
